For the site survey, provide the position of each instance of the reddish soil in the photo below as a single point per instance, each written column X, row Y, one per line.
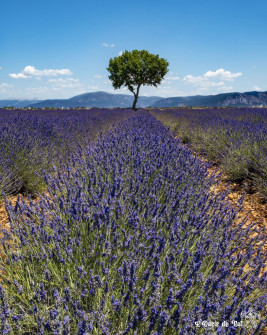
column 252, row 203
column 3, row 214
column 253, row 206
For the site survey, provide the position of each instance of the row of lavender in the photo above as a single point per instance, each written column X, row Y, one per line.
column 32, row 141
column 234, row 138
column 130, row 240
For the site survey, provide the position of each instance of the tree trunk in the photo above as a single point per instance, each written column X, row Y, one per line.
column 136, row 97
column 135, row 101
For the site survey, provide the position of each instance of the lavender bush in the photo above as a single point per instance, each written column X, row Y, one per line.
column 31, row 141
column 130, row 240
column 236, row 139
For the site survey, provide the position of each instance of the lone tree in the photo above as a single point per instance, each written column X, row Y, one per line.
column 136, row 68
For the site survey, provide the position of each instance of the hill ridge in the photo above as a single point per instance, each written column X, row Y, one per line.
column 103, row 99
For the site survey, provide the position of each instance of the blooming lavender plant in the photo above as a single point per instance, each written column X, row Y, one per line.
column 33, row 140
column 234, row 138
column 130, row 240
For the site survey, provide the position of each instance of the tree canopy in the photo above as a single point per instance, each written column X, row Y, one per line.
column 136, row 68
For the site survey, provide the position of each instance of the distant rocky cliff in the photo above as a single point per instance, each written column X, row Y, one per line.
column 220, row 100
column 245, row 99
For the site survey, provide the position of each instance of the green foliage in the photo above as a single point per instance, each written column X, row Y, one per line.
column 29, row 176
column 136, row 68
column 234, row 139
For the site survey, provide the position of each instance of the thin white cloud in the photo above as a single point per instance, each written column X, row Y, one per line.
column 94, row 88
column 65, row 83
column 0, row 67
column 225, row 89
column 212, row 79
column 108, row 45
column 5, row 85
column 37, row 90
column 31, row 72
column 201, row 81
column 18, row 76
column 163, row 90
column 98, row 76
column 56, row 88
column 58, row 80
column 257, row 88
column 192, row 80
column 212, row 90
column 222, row 74
column 172, row 78
column 120, row 53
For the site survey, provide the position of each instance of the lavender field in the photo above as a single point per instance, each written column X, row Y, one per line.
column 233, row 138
column 32, row 141
column 125, row 235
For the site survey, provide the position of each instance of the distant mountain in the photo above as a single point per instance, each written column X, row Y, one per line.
column 109, row 100
column 220, row 100
column 97, row 99
column 17, row 103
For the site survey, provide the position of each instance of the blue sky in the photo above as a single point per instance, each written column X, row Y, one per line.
column 59, row 48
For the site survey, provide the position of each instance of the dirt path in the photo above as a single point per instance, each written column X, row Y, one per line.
column 253, row 207
column 3, row 214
